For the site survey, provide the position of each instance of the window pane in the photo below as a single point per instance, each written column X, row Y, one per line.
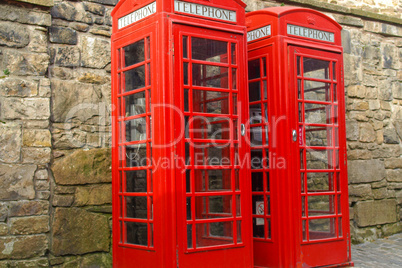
column 134, row 53
column 210, row 102
column 320, row 181
column 212, row 180
column 210, row 128
column 254, row 70
column 185, row 47
column 136, row 155
column 214, row 234
column 256, row 159
column 136, row 181
column 135, row 78
column 257, row 181
column 319, row 159
column 209, row 50
column 137, row 233
column 254, row 91
column 210, row 207
column 210, row 76
column 258, row 227
column 314, row 68
column 322, row 228
column 136, row 129
column 317, row 91
column 135, row 104
column 210, row 154
column 136, row 207
column 321, row 205
column 317, row 113
column 318, row 136
column 233, row 51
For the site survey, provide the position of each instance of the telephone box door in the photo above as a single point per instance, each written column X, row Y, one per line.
column 317, row 87
column 212, row 204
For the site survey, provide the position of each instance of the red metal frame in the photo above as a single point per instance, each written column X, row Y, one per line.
column 289, row 248
column 164, row 194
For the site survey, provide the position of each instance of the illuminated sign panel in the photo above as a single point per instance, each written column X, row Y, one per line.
column 137, row 15
column 205, row 11
column 259, row 33
column 311, row 33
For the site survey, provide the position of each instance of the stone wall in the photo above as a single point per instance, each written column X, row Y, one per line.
column 55, row 191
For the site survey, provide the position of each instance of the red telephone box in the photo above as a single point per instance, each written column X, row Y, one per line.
column 180, row 198
column 297, row 126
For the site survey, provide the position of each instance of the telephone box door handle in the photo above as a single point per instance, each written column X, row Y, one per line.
column 294, row 135
column 242, row 129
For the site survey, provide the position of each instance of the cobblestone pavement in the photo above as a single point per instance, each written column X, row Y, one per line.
column 385, row 252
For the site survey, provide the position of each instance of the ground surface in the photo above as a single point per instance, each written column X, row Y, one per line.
column 380, row 253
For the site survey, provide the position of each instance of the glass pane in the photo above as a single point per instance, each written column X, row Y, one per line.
column 299, row 89
column 303, row 206
column 214, row 234
column 135, row 104
column 136, row 155
column 188, row 181
column 254, row 70
column 186, row 92
column 210, row 207
column 189, row 210
column 148, row 40
column 256, row 136
column 136, row 129
column 269, row 234
column 257, row 180
column 320, row 181
column 210, row 76
column 137, row 233
column 239, row 240
column 234, row 103
column 302, row 159
column 268, row 205
column 118, row 59
column 210, row 102
column 258, row 205
column 209, row 50
column 234, row 78
column 134, row 53
column 304, row 231
column 185, row 73
column 210, row 128
column 268, row 182
column 254, row 91
column 136, row 207
column 135, row 78
column 136, row 181
column 258, row 227
column 340, row 227
column 212, row 180
column 317, row 113
column 317, row 91
column 265, row 89
column 235, row 130
column 314, row 68
column 255, row 114
column 210, row 154
column 298, row 66
column 185, row 47
column 149, row 74
column 319, row 159
column 334, row 71
column 318, row 136
column 256, row 159
column 339, row 204
column 189, row 236
column 321, row 205
column 264, row 67
column 322, row 228
column 302, row 182
column 238, row 206
column 233, row 51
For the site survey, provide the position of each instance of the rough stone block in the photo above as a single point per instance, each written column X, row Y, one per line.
column 370, row 213
column 42, row 185
column 10, row 142
column 356, row 91
column 352, row 130
column 39, row 40
column 28, row 208
column 103, row 31
column 105, row 2
column 15, row 87
column 390, row 229
column 23, row 63
column 64, row 10
column 42, row 174
column 40, row 156
column 362, row 191
column 95, row 8
column 389, row 56
column 40, row 262
column 74, row 100
column 3, row 211
column 25, row 16
column 63, row 35
column 95, row 52
column 393, row 163
column 394, row 175
column 26, row 108
column 76, row 231
column 383, row 193
column 93, row 195
column 63, row 200
column 36, row 138
column 17, row 182
column 67, row 57
column 397, row 90
column 13, row 35
column 390, row 136
column 3, row 230
column 367, row 133
column 365, row 171
column 83, row 167
column 29, row 225
column 23, row 247
column 97, row 260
